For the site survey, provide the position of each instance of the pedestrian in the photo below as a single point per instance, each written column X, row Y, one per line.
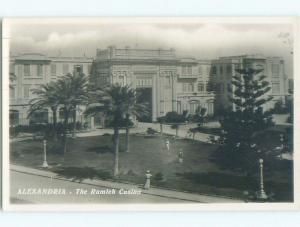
column 148, row 176
column 168, row 144
column 180, row 157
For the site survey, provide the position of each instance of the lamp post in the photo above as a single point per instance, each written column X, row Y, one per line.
column 261, row 193
column 45, row 164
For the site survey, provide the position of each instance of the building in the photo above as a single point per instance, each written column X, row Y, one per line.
column 166, row 82
column 224, row 68
column 31, row 70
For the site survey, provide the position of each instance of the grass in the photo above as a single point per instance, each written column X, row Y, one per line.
column 92, row 157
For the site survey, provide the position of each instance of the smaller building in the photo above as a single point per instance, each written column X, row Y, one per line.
column 224, row 68
column 32, row 70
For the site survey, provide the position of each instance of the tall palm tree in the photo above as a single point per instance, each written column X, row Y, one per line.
column 112, row 101
column 64, row 95
column 79, row 93
column 46, row 98
column 132, row 108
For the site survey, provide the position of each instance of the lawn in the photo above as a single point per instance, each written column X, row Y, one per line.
column 92, row 157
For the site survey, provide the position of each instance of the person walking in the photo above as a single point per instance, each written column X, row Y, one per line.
column 168, row 144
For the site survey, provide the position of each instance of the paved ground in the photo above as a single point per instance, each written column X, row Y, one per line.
column 24, row 180
column 27, row 181
column 142, row 128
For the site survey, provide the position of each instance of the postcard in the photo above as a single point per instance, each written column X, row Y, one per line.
column 149, row 113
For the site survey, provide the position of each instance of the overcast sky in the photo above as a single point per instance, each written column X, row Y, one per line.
column 197, row 39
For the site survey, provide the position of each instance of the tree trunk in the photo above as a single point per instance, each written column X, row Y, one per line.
column 116, row 150
column 127, row 134
column 54, row 110
column 161, row 129
column 65, row 132
column 74, row 122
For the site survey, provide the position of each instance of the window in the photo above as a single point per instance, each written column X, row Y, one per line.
column 162, row 106
column 190, row 87
column 168, row 81
column 12, row 92
column 189, row 69
column 53, row 69
column 228, row 69
column 221, row 88
column 179, row 107
column 39, row 70
column 214, row 70
column 89, row 69
column 186, row 69
column 275, row 70
column 229, row 87
column 26, row 70
column 78, row 68
column 26, row 91
column 65, row 69
column 221, row 69
column 275, row 88
column 122, row 80
column 200, row 70
column 201, row 87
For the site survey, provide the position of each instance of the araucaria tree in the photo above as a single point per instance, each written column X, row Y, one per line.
column 244, row 123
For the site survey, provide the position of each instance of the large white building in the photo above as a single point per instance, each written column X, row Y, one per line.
column 167, row 82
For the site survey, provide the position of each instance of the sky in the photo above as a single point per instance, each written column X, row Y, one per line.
column 195, row 38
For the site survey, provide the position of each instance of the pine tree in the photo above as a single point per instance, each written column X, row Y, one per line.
column 243, row 124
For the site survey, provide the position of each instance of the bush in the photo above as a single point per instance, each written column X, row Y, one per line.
column 174, row 117
column 280, row 108
column 158, row 177
column 123, row 123
column 151, row 131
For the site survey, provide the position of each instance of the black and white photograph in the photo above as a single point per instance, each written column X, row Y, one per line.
column 137, row 112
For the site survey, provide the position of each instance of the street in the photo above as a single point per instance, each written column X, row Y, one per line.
column 27, row 188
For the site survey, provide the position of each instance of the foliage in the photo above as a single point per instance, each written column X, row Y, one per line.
column 119, row 103
column 243, row 126
column 173, row 117
column 280, row 108
column 158, row 176
column 151, row 131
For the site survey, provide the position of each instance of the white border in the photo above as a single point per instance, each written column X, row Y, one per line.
column 147, row 207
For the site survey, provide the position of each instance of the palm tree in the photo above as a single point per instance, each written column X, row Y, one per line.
column 132, row 108
column 46, row 98
column 113, row 102
column 79, row 93
column 64, row 95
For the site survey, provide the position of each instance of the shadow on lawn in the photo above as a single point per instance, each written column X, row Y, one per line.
column 79, row 174
column 221, row 180
column 280, row 191
column 100, row 150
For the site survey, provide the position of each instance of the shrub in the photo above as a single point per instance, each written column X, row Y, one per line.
column 174, row 117
column 158, row 177
column 151, row 131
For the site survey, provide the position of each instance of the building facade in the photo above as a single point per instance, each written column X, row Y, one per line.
column 32, row 70
column 224, row 68
column 168, row 83
column 165, row 81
